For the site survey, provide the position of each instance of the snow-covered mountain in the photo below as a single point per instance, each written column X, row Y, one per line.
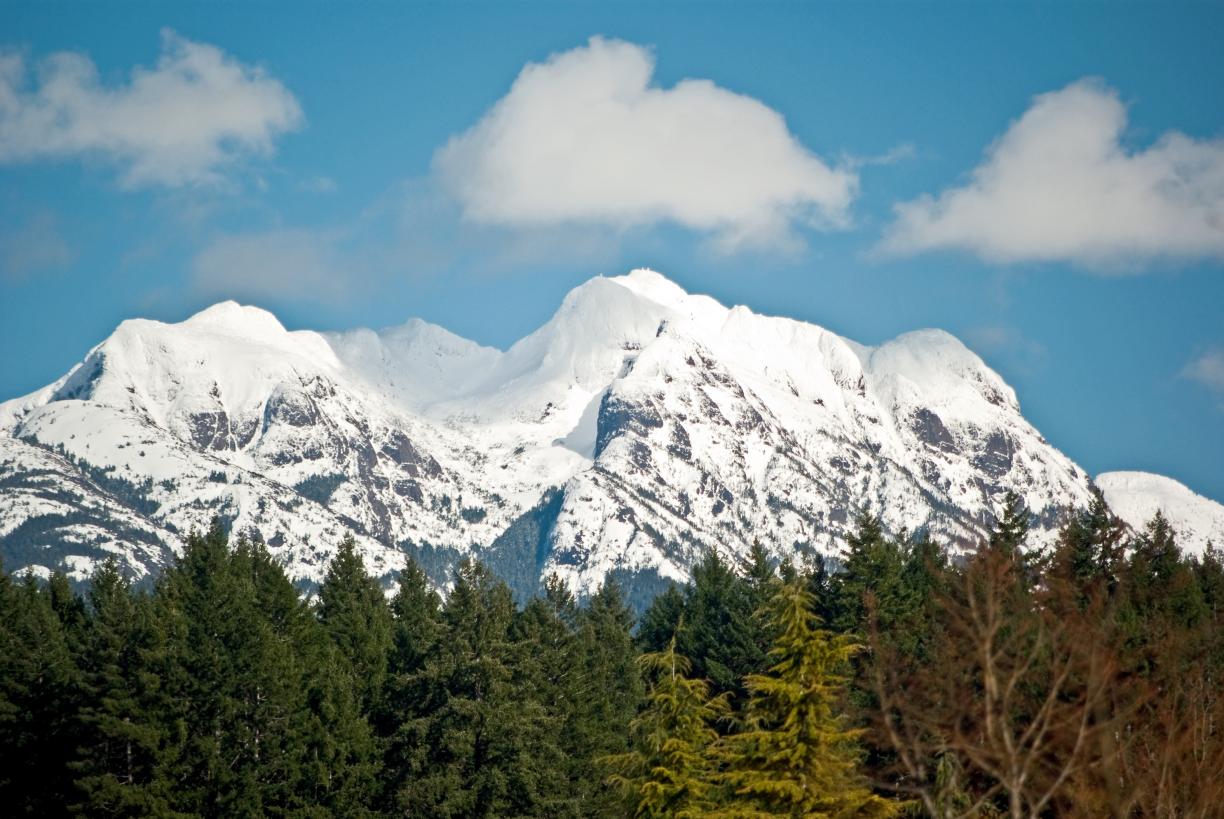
column 1137, row 496
column 638, row 428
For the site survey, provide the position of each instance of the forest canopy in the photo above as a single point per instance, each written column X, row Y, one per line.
column 1082, row 680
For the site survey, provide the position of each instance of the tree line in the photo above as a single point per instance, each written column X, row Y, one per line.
column 1083, row 680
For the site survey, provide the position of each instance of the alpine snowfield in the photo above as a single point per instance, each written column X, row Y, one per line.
column 638, row 428
column 1137, row 496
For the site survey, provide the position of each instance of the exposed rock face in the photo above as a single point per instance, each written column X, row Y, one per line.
column 637, row 429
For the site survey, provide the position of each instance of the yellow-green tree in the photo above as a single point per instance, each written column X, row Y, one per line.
column 794, row 754
column 670, row 773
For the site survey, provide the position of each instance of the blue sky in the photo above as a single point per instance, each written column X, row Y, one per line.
column 1045, row 181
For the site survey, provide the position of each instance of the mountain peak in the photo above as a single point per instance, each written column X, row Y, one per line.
column 231, row 318
column 1137, row 496
column 656, row 287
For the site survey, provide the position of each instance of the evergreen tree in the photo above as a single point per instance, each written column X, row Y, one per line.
column 1162, row 597
column 416, row 632
column 39, row 694
column 670, row 772
column 925, row 579
column 1011, row 528
column 761, row 576
column 875, row 566
column 122, row 739
column 1210, row 572
column 415, row 612
column 1089, row 551
column 329, row 758
column 794, row 755
column 233, row 686
column 472, row 730
column 607, row 689
column 723, row 637
column 547, row 675
column 661, row 620
column 354, row 613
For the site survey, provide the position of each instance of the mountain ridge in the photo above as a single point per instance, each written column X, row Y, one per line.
column 652, row 423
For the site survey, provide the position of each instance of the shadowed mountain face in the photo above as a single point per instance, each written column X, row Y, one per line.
column 638, row 428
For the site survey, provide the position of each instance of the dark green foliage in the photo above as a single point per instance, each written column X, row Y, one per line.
column 39, row 695
column 875, row 566
column 319, row 488
column 219, row 691
column 721, row 635
column 661, row 620
column 121, row 738
column 1088, row 555
column 606, row 690
column 474, row 733
column 354, row 613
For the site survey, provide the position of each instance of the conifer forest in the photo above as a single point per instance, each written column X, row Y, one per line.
column 904, row 680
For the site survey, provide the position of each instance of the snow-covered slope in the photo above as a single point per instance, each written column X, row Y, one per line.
column 636, row 429
column 1137, row 496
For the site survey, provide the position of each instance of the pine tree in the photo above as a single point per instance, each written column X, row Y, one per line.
column 925, row 578
column 354, row 613
column 472, row 730
column 38, row 682
column 661, row 619
column 234, row 689
column 39, row 697
column 875, row 566
column 606, row 689
column 1161, row 595
column 1089, row 551
column 328, row 758
column 1011, row 528
column 415, row 612
column 121, row 740
column 794, row 755
column 416, row 633
column 340, row 761
column 723, row 637
column 670, row 773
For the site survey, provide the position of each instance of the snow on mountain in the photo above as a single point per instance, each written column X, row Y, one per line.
column 636, row 429
column 1137, row 496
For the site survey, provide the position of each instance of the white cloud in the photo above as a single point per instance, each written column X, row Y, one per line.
column 1208, row 370
column 178, row 123
column 1059, row 185
column 585, row 137
column 288, row 263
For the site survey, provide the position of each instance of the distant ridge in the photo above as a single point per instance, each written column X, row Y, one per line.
column 638, row 428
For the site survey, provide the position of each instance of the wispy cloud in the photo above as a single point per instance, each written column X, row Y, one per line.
column 1207, row 369
column 1059, row 185
column 586, row 137
column 318, row 184
column 291, row 263
column 33, row 246
column 181, row 122
column 1008, row 342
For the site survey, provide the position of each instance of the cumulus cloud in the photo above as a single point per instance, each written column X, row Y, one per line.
column 177, row 123
column 1208, row 370
column 585, row 137
column 1060, row 185
column 287, row 263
